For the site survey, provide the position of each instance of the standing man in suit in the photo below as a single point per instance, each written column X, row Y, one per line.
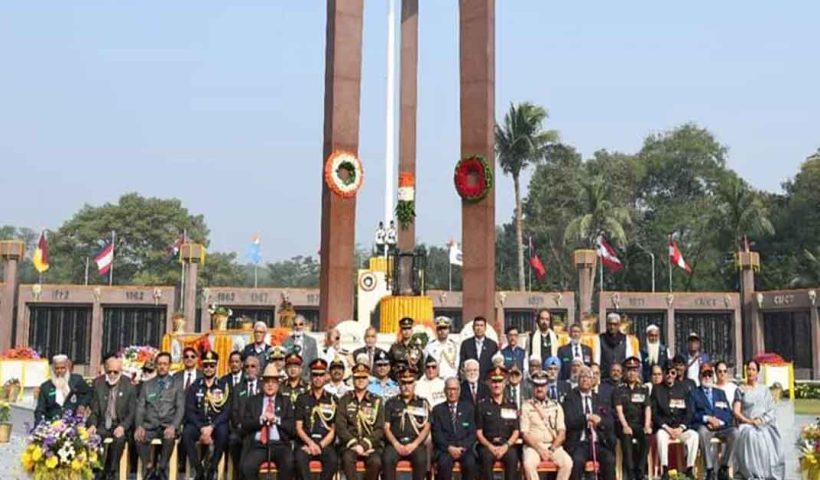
column 444, row 349
column 497, row 429
column 479, row 347
column 574, row 350
column 64, row 391
column 112, row 414
column 543, row 341
column 268, row 423
column 672, row 415
column 369, row 349
column 472, row 389
column 517, row 391
column 654, row 352
column 360, row 427
column 259, row 348
column 160, row 410
column 694, row 357
column 250, row 387
column 302, row 343
column 513, row 354
column 557, row 389
column 589, row 425
column 544, row 431
column 713, row 418
column 185, row 378
column 234, row 377
column 454, row 433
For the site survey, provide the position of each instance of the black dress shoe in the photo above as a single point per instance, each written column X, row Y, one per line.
column 665, row 474
column 710, row 474
column 723, row 473
column 690, row 472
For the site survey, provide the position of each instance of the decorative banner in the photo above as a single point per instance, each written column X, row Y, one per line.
column 473, row 178
column 406, row 206
column 344, row 174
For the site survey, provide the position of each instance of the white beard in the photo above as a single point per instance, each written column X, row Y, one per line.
column 112, row 381
column 653, row 349
column 61, row 384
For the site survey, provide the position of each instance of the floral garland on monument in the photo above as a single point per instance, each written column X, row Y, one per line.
column 344, row 174
column 473, row 178
column 406, row 206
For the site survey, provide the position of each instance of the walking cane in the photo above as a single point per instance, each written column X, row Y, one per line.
column 593, row 446
column 268, row 452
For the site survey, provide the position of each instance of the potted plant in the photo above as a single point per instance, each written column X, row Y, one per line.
column 5, row 423
column 12, row 389
column 62, row 449
column 219, row 316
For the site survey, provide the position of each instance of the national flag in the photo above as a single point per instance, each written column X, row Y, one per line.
column 173, row 249
column 104, row 258
column 676, row 258
column 536, row 264
column 455, row 254
column 40, row 257
column 254, row 253
column 609, row 257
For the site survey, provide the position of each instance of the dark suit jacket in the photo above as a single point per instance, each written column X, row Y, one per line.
column 720, row 407
column 227, row 379
column 444, row 435
column 47, row 407
column 575, row 420
column 563, row 390
column 263, row 358
column 606, row 390
column 195, row 416
column 646, row 369
column 283, row 411
column 565, row 355
column 525, row 393
column 179, row 379
column 239, row 397
column 126, row 405
column 363, row 350
column 485, row 363
column 482, row 392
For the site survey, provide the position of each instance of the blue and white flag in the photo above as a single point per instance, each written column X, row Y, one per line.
column 254, row 253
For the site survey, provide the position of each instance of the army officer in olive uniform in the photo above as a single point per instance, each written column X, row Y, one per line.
column 360, row 426
column 316, row 425
column 406, row 427
column 634, row 415
column 405, row 352
column 497, row 429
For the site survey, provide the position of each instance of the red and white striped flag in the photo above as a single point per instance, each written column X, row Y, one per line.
column 104, row 259
column 608, row 256
column 676, row 258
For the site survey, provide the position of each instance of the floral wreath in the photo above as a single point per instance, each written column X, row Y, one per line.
column 348, row 186
column 406, row 206
column 473, row 178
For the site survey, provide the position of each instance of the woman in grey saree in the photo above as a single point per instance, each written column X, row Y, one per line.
column 758, row 448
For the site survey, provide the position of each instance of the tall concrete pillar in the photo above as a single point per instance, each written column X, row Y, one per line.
column 748, row 263
column 11, row 251
column 477, row 67
column 585, row 261
column 191, row 254
column 407, row 108
column 343, row 71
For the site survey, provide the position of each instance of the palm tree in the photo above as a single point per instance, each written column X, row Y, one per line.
column 600, row 216
column 519, row 142
column 809, row 275
column 740, row 210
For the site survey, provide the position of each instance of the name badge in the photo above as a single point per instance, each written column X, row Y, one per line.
column 638, row 398
column 417, row 411
column 327, row 409
column 677, row 403
column 721, row 405
column 509, row 414
column 52, row 393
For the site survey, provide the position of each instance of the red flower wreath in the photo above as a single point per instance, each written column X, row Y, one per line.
column 473, row 178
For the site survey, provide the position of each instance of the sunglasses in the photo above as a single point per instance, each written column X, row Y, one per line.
column 431, row 367
column 706, row 374
column 410, row 382
column 251, row 366
column 113, row 372
column 723, row 370
column 673, row 373
column 208, row 365
column 190, row 356
column 496, row 381
column 298, row 324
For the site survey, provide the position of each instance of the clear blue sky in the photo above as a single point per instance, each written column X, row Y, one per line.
column 220, row 103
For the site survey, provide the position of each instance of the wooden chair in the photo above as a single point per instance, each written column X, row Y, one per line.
column 123, row 460
column 314, row 465
column 172, row 462
column 550, row 467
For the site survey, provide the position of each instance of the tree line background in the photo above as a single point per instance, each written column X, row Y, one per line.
column 677, row 183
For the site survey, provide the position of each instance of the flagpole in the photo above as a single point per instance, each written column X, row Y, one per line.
column 529, row 264
column 450, row 276
column 669, row 261
column 182, row 271
column 601, row 273
column 111, row 272
column 255, row 276
column 86, row 270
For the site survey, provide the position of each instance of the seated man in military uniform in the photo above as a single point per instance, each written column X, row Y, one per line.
column 316, row 425
column 381, row 384
column 406, row 427
column 634, row 420
column 160, row 410
column 207, row 412
column 360, row 426
column 269, row 426
column 497, row 429
column 544, row 431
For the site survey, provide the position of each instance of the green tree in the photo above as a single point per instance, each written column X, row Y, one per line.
column 740, row 210
column 599, row 216
column 520, row 141
column 298, row 271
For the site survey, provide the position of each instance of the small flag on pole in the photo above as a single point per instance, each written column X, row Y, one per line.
column 676, row 258
column 40, row 257
column 455, row 254
column 608, row 256
column 104, row 259
column 173, row 249
column 536, row 263
column 254, row 253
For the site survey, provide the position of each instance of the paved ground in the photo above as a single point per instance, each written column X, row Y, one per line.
column 788, row 423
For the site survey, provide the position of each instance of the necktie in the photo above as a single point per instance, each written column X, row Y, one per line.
column 577, row 353
column 472, row 390
column 553, row 394
column 453, row 415
column 587, row 406
column 478, row 347
column 264, row 434
column 709, row 396
column 370, row 355
column 111, row 409
column 187, row 380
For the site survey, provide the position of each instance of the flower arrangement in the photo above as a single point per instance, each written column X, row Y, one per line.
column 809, row 449
column 22, row 353
column 215, row 309
column 62, row 449
column 134, row 357
column 5, row 412
column 278, row 335
column 473, row 178
column 675, row 475
column 12, row 382
column 344, row 174
column 406, row 206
